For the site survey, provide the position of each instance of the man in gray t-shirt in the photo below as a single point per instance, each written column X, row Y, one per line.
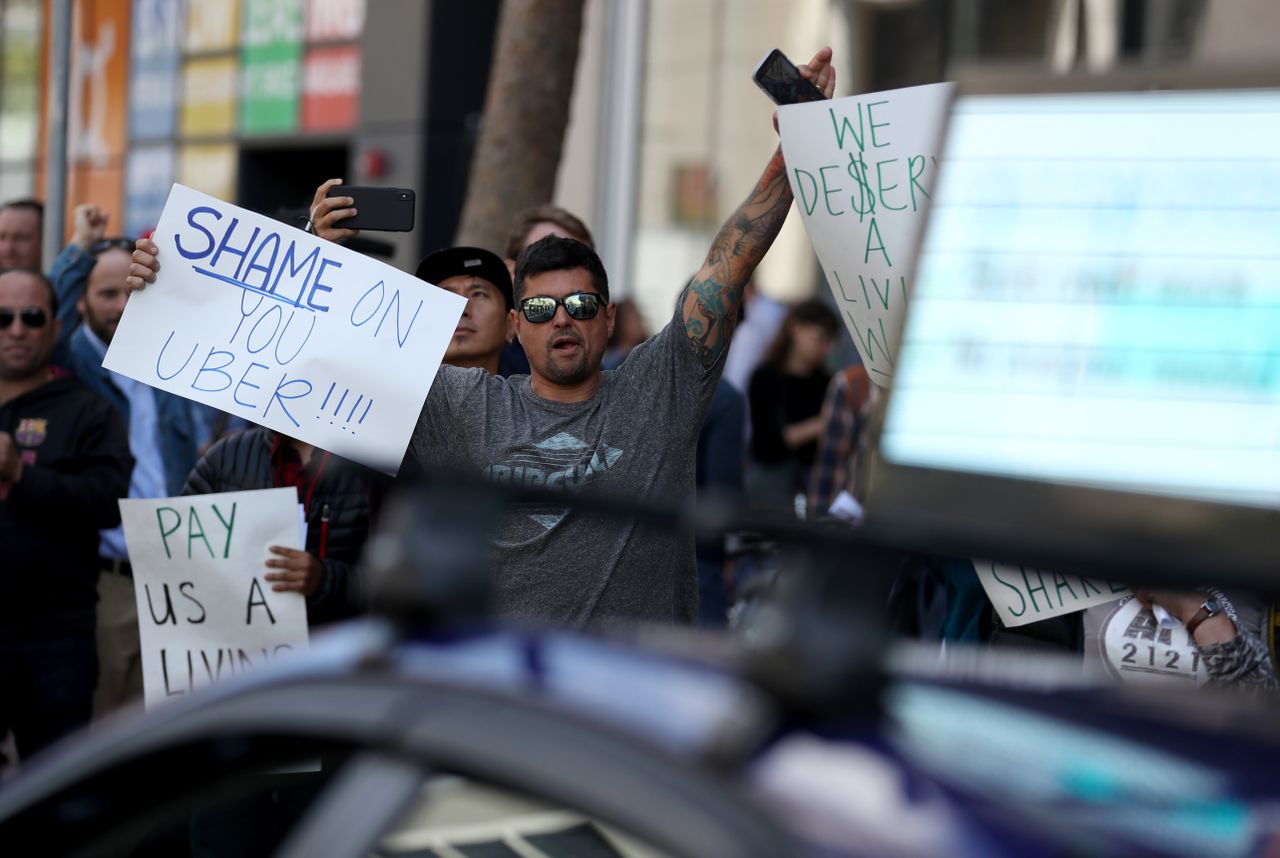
column 635, row 436
column 631, row 431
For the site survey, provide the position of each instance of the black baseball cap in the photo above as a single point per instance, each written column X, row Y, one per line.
column 473, row 261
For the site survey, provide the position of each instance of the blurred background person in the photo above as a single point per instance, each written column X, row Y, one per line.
column 785, row 401
column 21, row 226
column 720, row 474
column 628, row 332
column 760, row 319
column 845, row 414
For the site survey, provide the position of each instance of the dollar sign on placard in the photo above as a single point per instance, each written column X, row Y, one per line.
column 864, row 201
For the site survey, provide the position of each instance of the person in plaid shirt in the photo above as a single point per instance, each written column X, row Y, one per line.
column 844, row 413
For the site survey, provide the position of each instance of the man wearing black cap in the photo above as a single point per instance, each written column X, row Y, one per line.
column 486, row 326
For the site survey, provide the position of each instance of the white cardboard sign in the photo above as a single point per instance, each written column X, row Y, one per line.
column 862, row 170
column 204, row 610
column 1021, row 594
column 286, row 330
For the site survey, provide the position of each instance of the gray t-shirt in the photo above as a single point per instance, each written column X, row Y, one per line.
column 635, row 438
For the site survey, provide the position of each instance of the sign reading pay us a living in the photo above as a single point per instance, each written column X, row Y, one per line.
column 205, row 611
column 862, row 170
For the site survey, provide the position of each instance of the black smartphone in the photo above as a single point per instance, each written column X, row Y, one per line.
column 781, row 80
column 380, row 209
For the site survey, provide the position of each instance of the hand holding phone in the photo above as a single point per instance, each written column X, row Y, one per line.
column 782, row 82
column 383, row 209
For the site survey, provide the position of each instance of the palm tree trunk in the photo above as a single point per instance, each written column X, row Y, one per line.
column 525, row 114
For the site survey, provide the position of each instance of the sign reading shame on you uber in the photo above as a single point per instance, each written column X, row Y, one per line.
column 289, row 331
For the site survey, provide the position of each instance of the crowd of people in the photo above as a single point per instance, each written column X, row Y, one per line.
column 546, row 381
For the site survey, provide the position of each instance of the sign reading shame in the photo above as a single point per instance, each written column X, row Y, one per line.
column 862, row 170
column 204, row 610
column 1021, row 594
column 286, row 330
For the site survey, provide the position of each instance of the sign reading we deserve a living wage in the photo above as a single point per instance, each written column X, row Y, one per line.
column 286, row 330
column 862, row 169
column 205, row 611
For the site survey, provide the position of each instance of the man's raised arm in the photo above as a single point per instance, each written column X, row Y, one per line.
column 710, row 303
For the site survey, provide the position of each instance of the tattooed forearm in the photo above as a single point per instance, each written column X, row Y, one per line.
column 711, row 300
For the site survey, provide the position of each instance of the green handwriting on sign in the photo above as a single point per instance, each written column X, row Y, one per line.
column 1022, row 594
column 191, row 529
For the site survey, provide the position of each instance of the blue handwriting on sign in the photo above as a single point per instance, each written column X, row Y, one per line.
column 263, row 256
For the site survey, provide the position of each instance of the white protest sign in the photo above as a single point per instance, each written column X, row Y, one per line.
column 862, row 170
column 204, row 610
column 286, row 330
column 1021, row 594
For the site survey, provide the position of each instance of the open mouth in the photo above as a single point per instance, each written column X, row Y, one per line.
column 565, row 345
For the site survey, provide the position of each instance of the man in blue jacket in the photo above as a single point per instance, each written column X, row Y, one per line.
column 164, row 435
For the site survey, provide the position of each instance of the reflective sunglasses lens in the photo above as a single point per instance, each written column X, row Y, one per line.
column 538, row 310
column 32, row 318
column 582, row 305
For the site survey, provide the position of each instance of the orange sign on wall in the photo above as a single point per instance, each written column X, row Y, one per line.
column 97, row 107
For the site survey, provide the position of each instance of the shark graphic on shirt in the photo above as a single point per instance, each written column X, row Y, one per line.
column 559, row 462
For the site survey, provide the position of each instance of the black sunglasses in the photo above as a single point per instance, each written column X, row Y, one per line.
column 579, row 305
column 126, row 244
column 32, row 317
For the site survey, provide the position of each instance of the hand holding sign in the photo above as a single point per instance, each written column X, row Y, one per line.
column 144, row 267
column 284, row 329
column 302, row 574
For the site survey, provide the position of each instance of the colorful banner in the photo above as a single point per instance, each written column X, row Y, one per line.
column 334, row 20
column 210, row 168
column 272, row 63
column 209, row 97
column 211, row 26
column 862, row 169
column 20, row 63
column 331, row 88
column 204, row 610
column 156, row 57
column 272, row 324
column 149, row 173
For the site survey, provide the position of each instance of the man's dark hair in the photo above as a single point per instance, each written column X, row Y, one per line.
column 48, row 285
column 28, row 203
column 529, row 218
column 554, row 253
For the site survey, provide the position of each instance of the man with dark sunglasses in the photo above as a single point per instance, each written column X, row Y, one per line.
column 571, row 426
column 64, row 462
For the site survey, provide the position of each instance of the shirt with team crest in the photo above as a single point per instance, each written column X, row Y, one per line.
column 635, row 438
